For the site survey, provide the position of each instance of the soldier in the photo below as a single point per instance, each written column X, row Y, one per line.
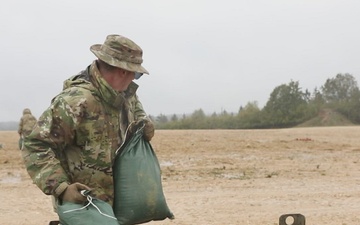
column 72, row 146
column 26, row 125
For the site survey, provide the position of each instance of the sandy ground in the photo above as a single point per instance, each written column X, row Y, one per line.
column 226, row 177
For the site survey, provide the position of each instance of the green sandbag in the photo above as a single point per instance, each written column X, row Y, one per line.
column 139, row 196
column 95, row 212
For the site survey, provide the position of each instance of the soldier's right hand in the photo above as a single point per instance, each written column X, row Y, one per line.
column 72, row 193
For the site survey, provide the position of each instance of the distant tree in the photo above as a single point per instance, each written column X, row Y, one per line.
column 342, row 94
column 339, row 89
column 197, row 119
column 214, row 115
column 226, row 120
column 286, row 106
column 198, row 115
column 174, row 118
column 249, row 116
column 353, row 108
column 315, row 103
column 317, row 98
column 250, row 108
column 162, row 118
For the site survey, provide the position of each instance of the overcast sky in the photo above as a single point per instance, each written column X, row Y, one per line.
column 213, row 55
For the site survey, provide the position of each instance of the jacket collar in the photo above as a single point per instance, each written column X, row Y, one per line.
column 91, row 79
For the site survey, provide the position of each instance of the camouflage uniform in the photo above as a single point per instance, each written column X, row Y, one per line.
column 76, row 137
column 27, row 123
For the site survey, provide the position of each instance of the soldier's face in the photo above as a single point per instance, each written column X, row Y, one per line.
column 120, row 79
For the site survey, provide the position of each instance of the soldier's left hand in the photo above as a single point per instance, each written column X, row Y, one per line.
column 149, row 130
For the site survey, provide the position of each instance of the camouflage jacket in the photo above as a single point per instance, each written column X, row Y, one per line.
column 77, row 136
column 27, row 122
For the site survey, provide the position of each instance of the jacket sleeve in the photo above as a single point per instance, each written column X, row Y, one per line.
column 43, row 153
column 20, row 128
column 139, row 112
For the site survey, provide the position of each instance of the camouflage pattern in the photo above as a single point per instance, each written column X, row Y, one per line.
column 77, row 136
column 120, row 51
column 27, row 122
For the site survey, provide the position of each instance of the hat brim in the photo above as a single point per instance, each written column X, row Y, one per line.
column 115, row 62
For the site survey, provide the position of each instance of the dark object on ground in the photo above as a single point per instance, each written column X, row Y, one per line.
column 297, row 219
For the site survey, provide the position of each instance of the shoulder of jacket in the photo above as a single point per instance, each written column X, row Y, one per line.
column 75, row 93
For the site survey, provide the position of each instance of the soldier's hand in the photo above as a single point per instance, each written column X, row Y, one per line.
column 72, row 193
column 149, row 130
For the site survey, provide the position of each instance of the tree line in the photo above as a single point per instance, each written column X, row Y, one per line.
column 288, row 106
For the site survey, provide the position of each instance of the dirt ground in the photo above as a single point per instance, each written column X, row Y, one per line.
column 226, row 177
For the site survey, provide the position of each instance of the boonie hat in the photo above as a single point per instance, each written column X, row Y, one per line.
column 121, row 52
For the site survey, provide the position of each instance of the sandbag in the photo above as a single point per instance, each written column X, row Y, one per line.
column 94, row 212
column 139, row 196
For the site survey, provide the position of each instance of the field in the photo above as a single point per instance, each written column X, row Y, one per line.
column 226, row 177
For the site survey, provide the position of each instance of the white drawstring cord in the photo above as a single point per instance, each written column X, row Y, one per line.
column 89, row 198
column 126, row 133
column 125, row 136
